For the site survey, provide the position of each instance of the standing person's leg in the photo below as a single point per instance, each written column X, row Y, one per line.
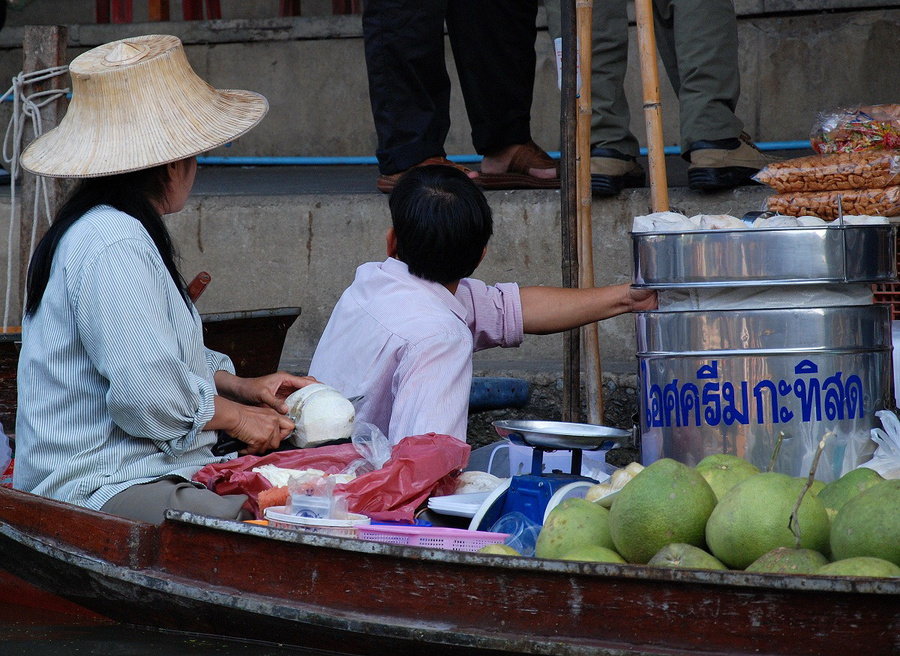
column 704, row 45
column 409, row 88
column 613, row 146
column 493, row 46
column 702, row 39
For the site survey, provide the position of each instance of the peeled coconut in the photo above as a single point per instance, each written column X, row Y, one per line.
column 320, row 414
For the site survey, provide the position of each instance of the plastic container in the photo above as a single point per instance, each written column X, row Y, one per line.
column 341, row 528
column 455, row 539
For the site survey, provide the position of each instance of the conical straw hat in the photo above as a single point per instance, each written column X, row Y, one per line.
column 137, row 103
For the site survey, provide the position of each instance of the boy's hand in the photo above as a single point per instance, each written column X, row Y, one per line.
column 642, row 299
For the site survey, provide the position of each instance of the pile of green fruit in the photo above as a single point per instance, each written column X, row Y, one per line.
column 726, row 514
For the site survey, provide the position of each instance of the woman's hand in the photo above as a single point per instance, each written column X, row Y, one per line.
column 260, row 427
column 269, row 390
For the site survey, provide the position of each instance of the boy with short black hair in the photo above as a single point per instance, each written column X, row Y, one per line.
column 402, row 335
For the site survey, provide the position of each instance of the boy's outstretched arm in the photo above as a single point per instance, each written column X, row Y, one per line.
column 548, row 310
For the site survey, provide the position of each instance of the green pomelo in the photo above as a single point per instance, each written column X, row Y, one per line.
column 753, row 518
column 594, row 554
column 685, row 556
column 816, row 487
column 499, row 549
column 573, row 523
column 839, row 492
column 869, row 524
column 784, row 560
column 860, row 566
column 723, row 471
column 666, row 502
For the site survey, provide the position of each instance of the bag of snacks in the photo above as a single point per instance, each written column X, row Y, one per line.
column 868, row 169
column 849, row 130
column 824, row 204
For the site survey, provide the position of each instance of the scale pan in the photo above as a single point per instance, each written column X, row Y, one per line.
column 558, row 434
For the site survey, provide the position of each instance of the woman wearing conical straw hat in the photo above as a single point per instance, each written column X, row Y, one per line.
column 119, row 400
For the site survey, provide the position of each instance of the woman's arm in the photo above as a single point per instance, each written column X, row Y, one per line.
column 548, row 310
column 269, row 390
column 260, row 427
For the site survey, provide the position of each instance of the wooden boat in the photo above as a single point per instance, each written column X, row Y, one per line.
column 199, row 574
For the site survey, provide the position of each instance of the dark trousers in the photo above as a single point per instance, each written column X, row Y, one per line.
column 409, row 88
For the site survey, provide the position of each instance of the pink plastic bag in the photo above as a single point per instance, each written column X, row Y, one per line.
column 419, row 466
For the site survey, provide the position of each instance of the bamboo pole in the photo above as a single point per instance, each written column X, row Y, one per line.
column 659, row 189
column 589, row 334
column 571, row 402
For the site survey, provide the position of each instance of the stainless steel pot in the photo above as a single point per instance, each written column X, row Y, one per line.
column 732, row 380
column 769, row 256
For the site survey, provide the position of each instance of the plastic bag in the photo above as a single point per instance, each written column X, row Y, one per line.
column 853, row 129
column 824, row 204
column 886, row 459
column 419, row 466
column 871, row 169
column 523, row 532
column 372, row 445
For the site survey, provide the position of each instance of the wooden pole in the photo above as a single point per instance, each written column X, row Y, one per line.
column 589, row 334
column 571, row 405
column 44, row 46
column 659, row 189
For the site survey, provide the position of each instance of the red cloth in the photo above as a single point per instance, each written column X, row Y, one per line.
column 419, row 466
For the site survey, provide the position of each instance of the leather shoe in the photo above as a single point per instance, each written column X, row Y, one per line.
column 612, row 171
column 724, row 164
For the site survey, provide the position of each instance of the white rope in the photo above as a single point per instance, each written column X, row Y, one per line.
column 25, row 107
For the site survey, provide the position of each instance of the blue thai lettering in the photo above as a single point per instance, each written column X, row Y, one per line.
column 773, row 396
column 690, row 400
column 834, row 397
column 810, row 398
column 670, row 404
column 710, row 370
column 784, row 388
column 856, row 401
column 731, row 414
column 713, row 411
column 806, row 367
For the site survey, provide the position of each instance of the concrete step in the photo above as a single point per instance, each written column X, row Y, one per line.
column 798, row 58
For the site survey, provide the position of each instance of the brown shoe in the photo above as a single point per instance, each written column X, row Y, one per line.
column 724, row 168
column 386, row 183
column 527, row 156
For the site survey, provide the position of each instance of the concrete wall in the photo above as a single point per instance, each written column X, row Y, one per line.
column 303, row 251
column 797, row 59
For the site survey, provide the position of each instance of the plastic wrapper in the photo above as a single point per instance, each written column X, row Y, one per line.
column 871, row 169
column 853, row 129
column 523, row 532
column 824, row 204
column 419, row 466
column 886, row 459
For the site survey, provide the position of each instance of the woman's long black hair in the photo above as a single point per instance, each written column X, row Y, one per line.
column 132, row 193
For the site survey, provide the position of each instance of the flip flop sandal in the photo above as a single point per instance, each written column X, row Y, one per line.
column 386, row 183
column 527, row 156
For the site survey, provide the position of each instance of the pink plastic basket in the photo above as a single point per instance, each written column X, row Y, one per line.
column 456, row 539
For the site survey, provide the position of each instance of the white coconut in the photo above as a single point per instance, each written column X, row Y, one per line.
column 320, row 414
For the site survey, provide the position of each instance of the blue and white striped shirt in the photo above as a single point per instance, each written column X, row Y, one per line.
column 115, row 384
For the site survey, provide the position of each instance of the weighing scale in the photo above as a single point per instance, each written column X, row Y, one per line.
column 532, row 493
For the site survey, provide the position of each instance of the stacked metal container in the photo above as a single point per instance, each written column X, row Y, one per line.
column 741, row 381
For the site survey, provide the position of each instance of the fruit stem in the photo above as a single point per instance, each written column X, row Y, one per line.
column 794, row 523
column 778, row 443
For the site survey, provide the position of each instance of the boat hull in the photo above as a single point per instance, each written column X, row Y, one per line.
column 348, row 596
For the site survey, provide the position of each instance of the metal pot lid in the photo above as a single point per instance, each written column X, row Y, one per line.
column 558, row 434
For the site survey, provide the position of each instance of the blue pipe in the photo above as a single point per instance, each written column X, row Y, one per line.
column 459, row 159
